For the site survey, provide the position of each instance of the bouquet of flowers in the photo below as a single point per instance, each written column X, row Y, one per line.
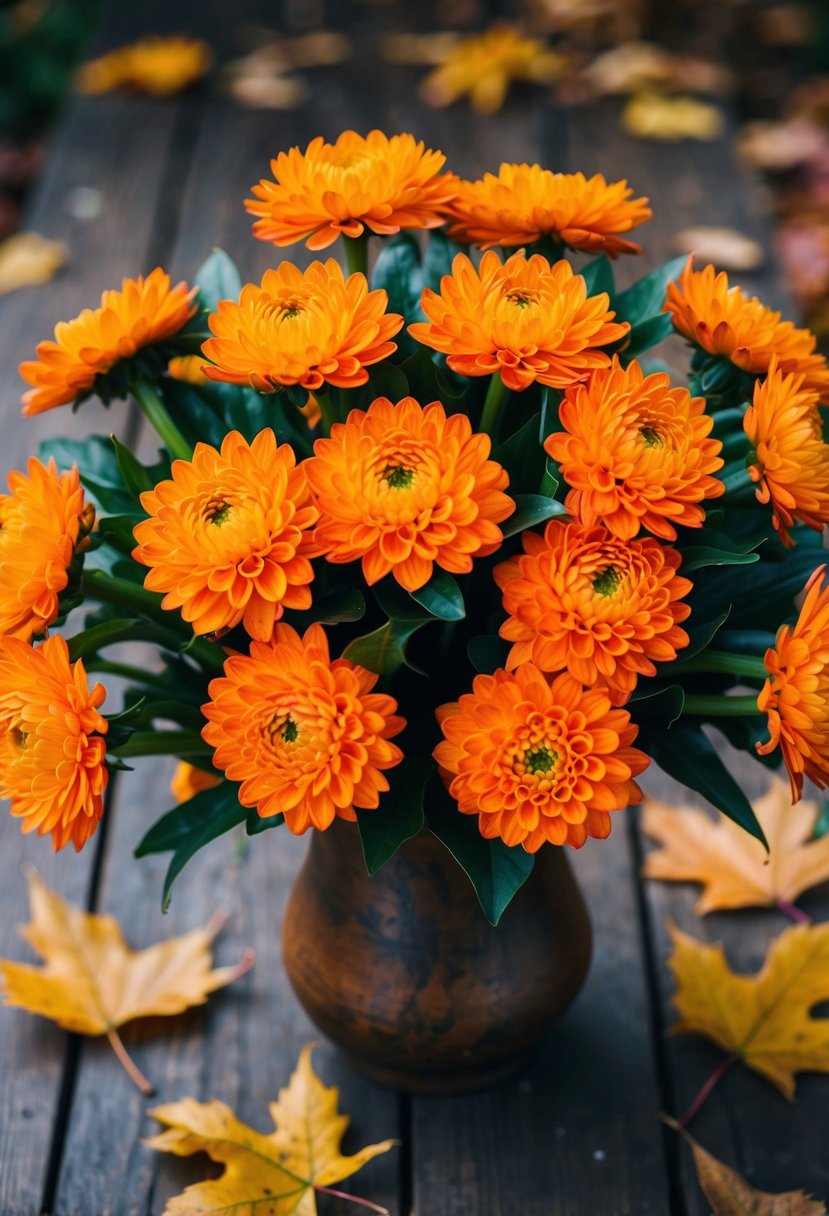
column 442, row 546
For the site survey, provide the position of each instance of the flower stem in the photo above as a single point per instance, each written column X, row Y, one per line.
column 496, row 398
column 156, row 413
column 162, row 743
column 721, row 661
column 328, row 409
column 356, row 254
column 130, row 1066
column 720, row 707
column 705, row 1093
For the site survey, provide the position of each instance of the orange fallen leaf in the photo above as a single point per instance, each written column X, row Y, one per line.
column 28, row 259
column 763, row 1019
column 652, row 116
column 730, row 1195
column 277, row 1174
column 485, row 66
column 734, row 868
column 92, row 983
column 727, row 248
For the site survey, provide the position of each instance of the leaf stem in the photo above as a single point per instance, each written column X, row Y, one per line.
column 363, row 1203
column 356, row 253
column 793, row 912
column 720, row 707
column 496, row 398
column 156, row 413
column 722, row 661
column 162, row 743
column 705, row 1093
column 130, row 1066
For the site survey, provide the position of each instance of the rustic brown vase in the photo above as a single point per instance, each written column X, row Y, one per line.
column 404, row 973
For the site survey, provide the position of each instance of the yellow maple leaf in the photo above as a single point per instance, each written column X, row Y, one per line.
column 91, row 981
column 734, row 868
column 730, row 1195
column 273, row 1175
column 28, row 259
column 653, row 116
column 763, row 1019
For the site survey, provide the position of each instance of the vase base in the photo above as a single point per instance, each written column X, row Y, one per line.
column 439, row 1084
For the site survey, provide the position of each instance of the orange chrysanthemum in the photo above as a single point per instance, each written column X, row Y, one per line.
column 523, row 318
column 187, row 368
column 311, row 327
column 539, row 762
column 791, row 462
column 228, row 539
column 525, row 203
column 604, row 609
column 403, row 488
column 485, row 65
column 305, row 736
column 160, row 66
column 375, row 182
column 636, row 453
column 724, row 321
column 796, row 694
column 42, row 522
column 52, row 750
column 145, row 312
column 189, row 781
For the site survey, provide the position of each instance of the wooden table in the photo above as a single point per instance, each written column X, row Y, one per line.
column 578, row 1134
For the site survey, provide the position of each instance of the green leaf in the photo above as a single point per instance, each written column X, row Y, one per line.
column 598, row 275
column 189, row 827
column 398, row 271
column 335, row 608
column 384, row 650
column 117, row 530
column 438, row 259
column 530, row 510
column 199, row 418
column 400, row 814
column 256, row 824
column 689, row 756
column 664, row 704
column 496, row 871
column 136, row 477
column 646, row 298
column 645, row 335
column 217, row 279
column 524, row 458
column 695, row 557
column 98, row 469
column 700, row 637
column 487, row 653
column 442, row 597
column 91, row 640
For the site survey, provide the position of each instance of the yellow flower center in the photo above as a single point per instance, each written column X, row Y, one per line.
column 534, row 754
column 18, row 738
column 653, row 438
column 282, row 728
column 541, row 760
column 607, row 581
column 522, row 298
column 397, row 476
column 290, row 310
column 216, row 511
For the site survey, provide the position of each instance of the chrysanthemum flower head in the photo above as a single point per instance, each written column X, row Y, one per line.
column 790, row 464
column 724, row 321
column 160, row 66
column 52, row 749
column 305, row 736
column 525, row 319
column 536, row 761
column 187, row 369
column 636, row 452
column 43, row 521
column 145, row 312
column 228, row 537
column 311, row 328
column 796, row 694
column 404, row 488
column 485, row 65
column 525, row 203
column 189, row 781
column 606, row 610
column 375, row 181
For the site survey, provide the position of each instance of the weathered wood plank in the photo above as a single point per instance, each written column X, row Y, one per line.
column 746, row 1122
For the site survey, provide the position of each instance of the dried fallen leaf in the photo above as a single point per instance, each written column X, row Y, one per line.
column 27, row 259
column 652, row 116
column 778, row 146
column 734, row 868
column 730, row 1195
column 727, row 248
column 634, row 67
column 418, row 48
column 485, row 66
column 763, row 1019
column 276, row 1174
column 92, row 983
